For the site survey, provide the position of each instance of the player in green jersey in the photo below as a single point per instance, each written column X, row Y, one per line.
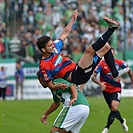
column 75, row 109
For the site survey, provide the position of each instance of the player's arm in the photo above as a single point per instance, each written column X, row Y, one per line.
column 50, row 84
column 94, row 79
column 51, row 109
column 74, row 94
column 68, row 28
column 130, row 73
column 53, row 86
column 82, row 87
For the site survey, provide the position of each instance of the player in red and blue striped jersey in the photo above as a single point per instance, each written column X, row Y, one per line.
column 53, row 64
column 57, row 64
column 111, row 89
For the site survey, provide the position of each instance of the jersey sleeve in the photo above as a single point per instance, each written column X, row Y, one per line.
column 46, row 75
column 122, row 64
column 58, row 44
column 98, row 68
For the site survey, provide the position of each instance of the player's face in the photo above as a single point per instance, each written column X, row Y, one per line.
column 50, row 47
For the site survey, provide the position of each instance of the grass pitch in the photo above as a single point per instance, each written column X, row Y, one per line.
column 23, row 116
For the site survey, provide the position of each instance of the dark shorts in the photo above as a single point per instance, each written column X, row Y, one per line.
column 81, row 76
column 111, row 96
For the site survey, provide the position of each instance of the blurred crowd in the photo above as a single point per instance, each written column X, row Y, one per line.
column 39, row 17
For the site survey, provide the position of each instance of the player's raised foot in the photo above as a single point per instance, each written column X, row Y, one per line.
column 105, row 130
column 111, row 22
column 124, row 125
column 122, row 72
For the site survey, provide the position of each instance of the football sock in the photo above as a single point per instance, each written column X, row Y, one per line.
column 118, row 116
column 103, row 39
column 111, row 118
column 109, row 58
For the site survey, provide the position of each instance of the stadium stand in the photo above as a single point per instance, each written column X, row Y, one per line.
column 27, row 20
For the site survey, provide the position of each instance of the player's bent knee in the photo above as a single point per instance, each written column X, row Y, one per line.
column 114, row 108
column 103, row 50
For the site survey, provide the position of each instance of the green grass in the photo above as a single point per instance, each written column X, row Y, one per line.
column 23, row 116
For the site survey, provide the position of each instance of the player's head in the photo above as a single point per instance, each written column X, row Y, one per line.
column 45, row 44
column 42, row 82
column 2, row 68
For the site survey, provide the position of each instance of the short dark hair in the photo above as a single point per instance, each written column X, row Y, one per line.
column 42, row 41
column 112, row 49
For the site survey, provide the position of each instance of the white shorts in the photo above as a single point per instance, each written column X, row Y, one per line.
column 72, row 118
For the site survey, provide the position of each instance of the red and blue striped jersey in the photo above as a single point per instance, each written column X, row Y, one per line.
column 106, row 75
column 57, row 65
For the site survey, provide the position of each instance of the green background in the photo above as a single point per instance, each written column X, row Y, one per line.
column 23, row 116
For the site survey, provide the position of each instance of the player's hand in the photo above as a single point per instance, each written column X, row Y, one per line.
column 103, row 86
column 72, row 102
column 44, row 119
column 75, row 14
column 63, row 86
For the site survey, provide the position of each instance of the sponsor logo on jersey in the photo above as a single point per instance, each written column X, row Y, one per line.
column 58, row 61
column 87, row 70
column 105, row 67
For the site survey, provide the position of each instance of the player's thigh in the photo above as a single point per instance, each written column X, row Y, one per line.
column 107, row 97
column 87, row 58
column 70, row 117
column 77, row 117
column 114, row 105
column 116, row 97
column 103, row 50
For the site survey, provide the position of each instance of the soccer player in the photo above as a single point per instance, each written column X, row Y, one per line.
column 53, row 64
column 111, row 90
column 73, row 101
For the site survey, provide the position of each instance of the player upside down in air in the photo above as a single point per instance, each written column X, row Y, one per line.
column 53, row 64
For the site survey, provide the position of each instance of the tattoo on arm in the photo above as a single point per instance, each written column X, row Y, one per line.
column 67, row 31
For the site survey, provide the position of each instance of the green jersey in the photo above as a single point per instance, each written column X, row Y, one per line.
column 65, row 96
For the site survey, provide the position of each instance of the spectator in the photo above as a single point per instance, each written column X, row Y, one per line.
column 39, row 13
column 3, row 82
column 2, row 47
column 19, row 76
column 15, row 45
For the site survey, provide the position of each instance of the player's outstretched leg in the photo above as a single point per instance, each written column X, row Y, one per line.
column 122, row 72
column 113, row 25
column 111, row 22
column 109, row 58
